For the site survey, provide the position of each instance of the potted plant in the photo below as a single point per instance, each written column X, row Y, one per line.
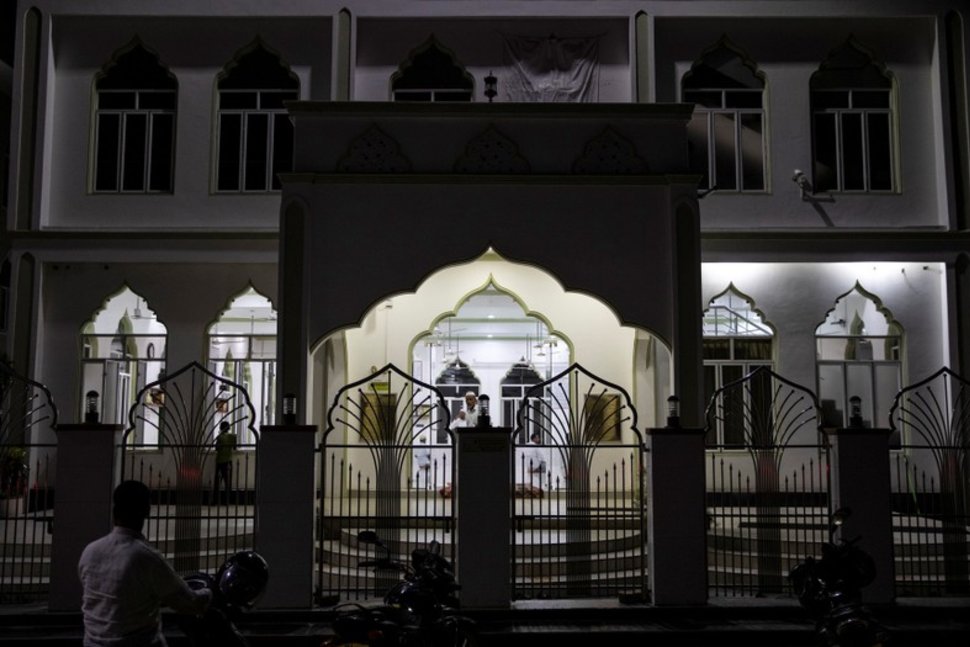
column 13, row 479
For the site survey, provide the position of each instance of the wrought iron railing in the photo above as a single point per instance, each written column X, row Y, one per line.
column 579, row 519
column 768, row 501
column 201, row 512
column 26, row 500
column 386, row 464
column 931, row 486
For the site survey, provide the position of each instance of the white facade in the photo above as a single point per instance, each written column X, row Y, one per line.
column 189, row 251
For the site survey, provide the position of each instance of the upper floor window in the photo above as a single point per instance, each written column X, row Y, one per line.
column 254, row 131
column 737, row 340
column 859, row 354
column 431, row 74
column 135, row 124
column 726, row 134
column 852, row 122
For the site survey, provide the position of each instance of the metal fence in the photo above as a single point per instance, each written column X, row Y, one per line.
column 931, row 486
column 204, row 508
column 768, row 501
column 579, row 517
column 386, row 464
column 26, row 500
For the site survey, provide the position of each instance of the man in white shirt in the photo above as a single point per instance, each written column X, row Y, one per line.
column 467, row 417
column 126, row 581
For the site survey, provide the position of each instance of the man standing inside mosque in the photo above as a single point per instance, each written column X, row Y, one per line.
column 468, row 416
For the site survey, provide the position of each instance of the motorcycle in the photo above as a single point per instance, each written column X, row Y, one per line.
column 831, row 589
column 420, row 610
column 236, row 586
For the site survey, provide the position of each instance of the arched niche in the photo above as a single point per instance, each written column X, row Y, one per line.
column 583, row 329
column 241, row 347
column 859, row 352
column 123, row 348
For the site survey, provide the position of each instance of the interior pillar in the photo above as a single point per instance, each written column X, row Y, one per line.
column 646, row 91
column 342, row 55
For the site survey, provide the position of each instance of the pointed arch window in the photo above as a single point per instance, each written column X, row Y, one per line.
column 122, row 350
column 737, row 340
column 852, row 122
column 135, row 125
column 859, row 353
column 242, row 348
column 726, row 134
column 431, row 74
column 255, row 135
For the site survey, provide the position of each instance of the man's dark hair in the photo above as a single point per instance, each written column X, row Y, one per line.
column 132, row 502
column 223, row 426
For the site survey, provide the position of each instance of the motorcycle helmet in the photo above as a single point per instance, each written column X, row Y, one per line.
column 242, row 579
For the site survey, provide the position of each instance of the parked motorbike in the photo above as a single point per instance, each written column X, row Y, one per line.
column 236, row 586
column 420, row 610
column 831, row 589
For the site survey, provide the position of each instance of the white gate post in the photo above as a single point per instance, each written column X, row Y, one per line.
column 86, row 473
column 676, row 516
column 861, row 481
column 483, row 491
column 285, row 513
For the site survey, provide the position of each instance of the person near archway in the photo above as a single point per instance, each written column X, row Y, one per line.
column 468, row 416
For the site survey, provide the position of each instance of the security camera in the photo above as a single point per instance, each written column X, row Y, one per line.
column 799, row 178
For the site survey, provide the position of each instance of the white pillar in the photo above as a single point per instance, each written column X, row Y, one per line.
column 676, row 516
column 861, row 482
column 86, row 472
column 484, row 518
column 285, row 513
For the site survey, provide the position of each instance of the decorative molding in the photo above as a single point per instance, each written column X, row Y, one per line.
column 491, row 152
column 609, row 153
column 374, row 152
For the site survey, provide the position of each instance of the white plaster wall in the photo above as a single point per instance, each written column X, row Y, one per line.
column 788, row 51
column 186, row 298
column 795, row 298
column 195, row 50
column 477, row 44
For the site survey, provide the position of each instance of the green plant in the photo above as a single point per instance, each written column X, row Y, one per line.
column 13, row 471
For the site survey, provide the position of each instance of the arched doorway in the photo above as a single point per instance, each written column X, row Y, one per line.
column 386, row 392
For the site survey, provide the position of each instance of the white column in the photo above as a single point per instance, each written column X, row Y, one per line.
column 861, row 481
column 87, row 471
column 484, row 521
column 676, row 516
column 285, row 513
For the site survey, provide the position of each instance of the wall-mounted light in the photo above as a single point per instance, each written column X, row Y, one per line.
column 289, row 409
column 855, row 412
column 91, row 415
column 800, row 179
column 484, row 419
column 673, row 411
column 491, row 86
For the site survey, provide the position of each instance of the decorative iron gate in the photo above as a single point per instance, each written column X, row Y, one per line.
column 383, row 467
column 202, row 512
column 26, row 504
column 767, row 500
column 931, row 486
column 579, row 511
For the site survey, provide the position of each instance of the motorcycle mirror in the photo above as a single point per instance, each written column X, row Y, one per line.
column 368, row 537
